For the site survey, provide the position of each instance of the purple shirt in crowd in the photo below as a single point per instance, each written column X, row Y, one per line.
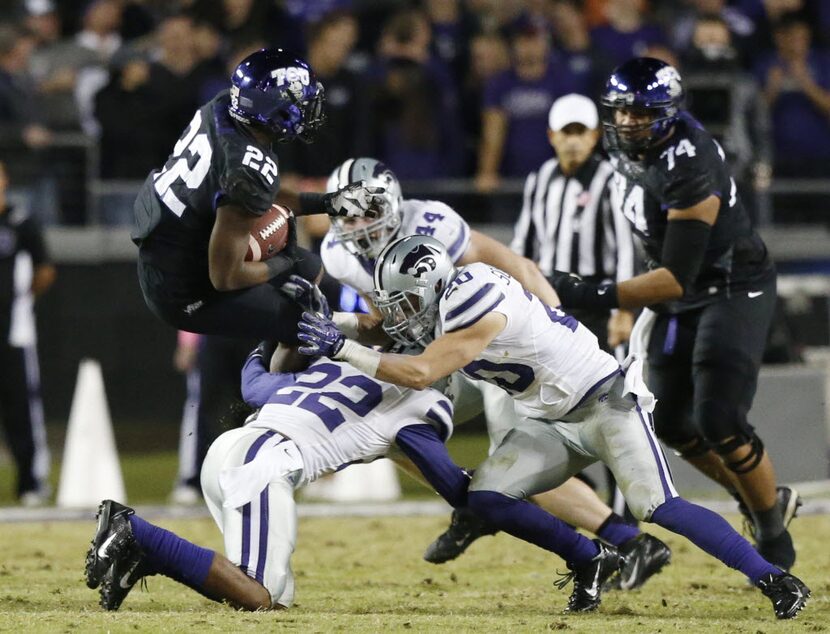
column 526, row 105
column 620, row 47
column 800, row 131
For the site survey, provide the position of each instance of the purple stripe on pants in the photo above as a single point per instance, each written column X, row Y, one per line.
column 263, row 535
column 671, row 336
column 655, row 451
column 246, row 510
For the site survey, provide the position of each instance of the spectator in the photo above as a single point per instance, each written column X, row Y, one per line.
column 415, row 110
column 585, row 63
column 742, row 29
column 489, row 57
column 796, row 82
column 626, row 34
column 331, row 41
column 728, row 102
column 25, row 273
column 515, row 109
column 451, row 27
column 93, row 47
column 158, row 98
column 174, row 80
column 23, row 137
column 127, row 104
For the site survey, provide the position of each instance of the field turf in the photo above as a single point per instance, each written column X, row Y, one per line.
column 366, row 575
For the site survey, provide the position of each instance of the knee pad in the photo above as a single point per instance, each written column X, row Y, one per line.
column 750, row 460
column 692, row 448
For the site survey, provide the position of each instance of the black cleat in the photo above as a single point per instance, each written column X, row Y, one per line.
column 788, row 594
column 788, row 499
column 779, row 551
column 644, row 556
column 464, row 529
column 113, row 537
column 589, row 578
column 127, row 569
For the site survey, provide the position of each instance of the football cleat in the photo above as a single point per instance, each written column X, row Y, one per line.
column 788, row 594
column 464, row 529
column 128, row 567
column 644, row 556
column 589, row 578
column 788, row 499
column 113, row 537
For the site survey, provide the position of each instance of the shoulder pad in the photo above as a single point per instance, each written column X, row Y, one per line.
column 475, row 291
column 437, row 220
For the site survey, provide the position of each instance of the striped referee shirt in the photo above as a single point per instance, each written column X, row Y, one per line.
column 568, row 223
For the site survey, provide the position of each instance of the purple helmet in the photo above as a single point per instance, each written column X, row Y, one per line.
column 278, row 91
column 646, row 86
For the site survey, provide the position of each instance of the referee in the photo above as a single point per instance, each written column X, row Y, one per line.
column 25, row 272
column 568, row 223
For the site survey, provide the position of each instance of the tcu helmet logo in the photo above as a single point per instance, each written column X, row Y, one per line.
column 234, row 96
column 419, row 261
column 296, row 78
column 668, row 76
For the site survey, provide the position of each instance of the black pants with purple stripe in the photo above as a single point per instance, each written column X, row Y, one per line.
column 21, row 411
column 704, row 364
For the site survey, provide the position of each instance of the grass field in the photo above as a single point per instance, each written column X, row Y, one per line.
column 366, row 575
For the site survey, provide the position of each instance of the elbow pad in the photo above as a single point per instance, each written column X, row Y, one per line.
column 684, row 249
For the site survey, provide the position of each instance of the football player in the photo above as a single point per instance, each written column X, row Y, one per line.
column 349, row 253
column 711, row 291
column 576, row 406
column 193, row 218
column 310, row 423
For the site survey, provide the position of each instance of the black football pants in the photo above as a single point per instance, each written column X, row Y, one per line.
column 704, row 364
column 21, row 411
column 259, row 312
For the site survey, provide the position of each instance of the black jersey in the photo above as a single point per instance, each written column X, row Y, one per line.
column 21, row 250
column 215, row 162
column 679, row 174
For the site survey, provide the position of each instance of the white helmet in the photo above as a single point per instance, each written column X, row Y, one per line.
column 410, row 275
column 359, row 237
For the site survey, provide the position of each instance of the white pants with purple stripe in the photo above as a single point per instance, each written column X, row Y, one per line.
column 539, row 455
column 260, row 535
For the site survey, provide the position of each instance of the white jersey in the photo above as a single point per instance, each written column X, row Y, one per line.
column 337, row 415
column 544, row 358
column 425, row 217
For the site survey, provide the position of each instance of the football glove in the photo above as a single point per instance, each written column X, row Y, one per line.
column 574, row 292
column 308, row 295
column 321, row 336
column 357, row 200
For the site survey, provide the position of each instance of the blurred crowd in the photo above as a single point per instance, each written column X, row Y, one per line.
column 434, row 88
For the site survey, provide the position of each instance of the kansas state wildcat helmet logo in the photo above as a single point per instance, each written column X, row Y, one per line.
column 419, row 261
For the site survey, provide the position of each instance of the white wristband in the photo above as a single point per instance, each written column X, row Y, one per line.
column 346, row 323
column 364, row 359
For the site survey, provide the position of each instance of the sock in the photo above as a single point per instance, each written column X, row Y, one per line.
column 168, row 554
column 530, row 523
column 712, row 534
column 616, row 531
column 769, row 524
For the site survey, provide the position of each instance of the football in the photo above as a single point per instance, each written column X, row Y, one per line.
column 269, row 235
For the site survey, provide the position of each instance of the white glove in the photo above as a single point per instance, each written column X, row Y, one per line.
column 358, row 200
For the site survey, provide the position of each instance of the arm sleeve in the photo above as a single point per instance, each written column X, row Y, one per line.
column 258, row 385
column 524, row 233
column 424, row 447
